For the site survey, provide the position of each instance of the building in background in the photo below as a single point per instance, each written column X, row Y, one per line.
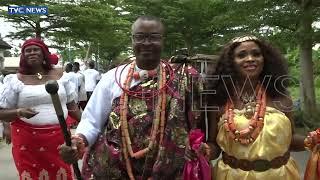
column 3, row 46
column 11, row 64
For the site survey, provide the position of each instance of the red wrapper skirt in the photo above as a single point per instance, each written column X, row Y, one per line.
column 35, row 152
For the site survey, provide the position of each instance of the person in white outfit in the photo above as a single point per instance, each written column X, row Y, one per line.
column 5, row 129
column 92, row 77
column 82, row 95
column 71, row 76
column 1, row 124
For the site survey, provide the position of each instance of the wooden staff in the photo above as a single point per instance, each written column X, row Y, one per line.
column 52, row 88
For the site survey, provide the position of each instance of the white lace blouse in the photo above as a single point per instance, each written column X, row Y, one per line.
column 16, row 94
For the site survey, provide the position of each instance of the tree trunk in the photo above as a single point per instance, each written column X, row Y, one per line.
column 38, row 30
column 307, row 80
column 87, row 53
column 188, row 44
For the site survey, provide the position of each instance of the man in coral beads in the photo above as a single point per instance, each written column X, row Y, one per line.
column 134, row 125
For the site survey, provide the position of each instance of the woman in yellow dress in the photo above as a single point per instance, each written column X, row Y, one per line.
column 252, row 122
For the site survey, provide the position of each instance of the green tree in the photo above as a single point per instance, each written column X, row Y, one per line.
column 88, row 22
column 288, row 24
column 305, row 36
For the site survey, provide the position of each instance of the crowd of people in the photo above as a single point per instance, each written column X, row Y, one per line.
column 141, row 119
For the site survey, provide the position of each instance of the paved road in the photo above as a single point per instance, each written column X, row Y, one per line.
column 8, row 170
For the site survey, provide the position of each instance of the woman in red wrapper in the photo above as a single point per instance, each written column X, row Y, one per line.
column 253, row 126
column 35, row 129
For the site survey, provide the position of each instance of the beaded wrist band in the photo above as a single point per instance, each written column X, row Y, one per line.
column 81, row 146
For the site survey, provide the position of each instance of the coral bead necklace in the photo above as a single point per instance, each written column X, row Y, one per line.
column 157, row 125
column 249, row 134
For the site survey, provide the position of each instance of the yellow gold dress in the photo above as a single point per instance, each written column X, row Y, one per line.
column 273, row 141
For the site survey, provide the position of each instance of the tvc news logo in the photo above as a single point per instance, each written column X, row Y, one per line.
column 25, row 10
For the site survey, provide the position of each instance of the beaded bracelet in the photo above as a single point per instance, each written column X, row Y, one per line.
column 81, row 146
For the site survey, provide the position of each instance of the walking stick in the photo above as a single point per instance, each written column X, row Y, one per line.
column 52, row 88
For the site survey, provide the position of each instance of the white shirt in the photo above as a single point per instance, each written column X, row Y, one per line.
column 1, row 129
column 96, row 113
column 1, row 124
column 82, row 95
column 15, row 94
column 71, row 76
column 1, row 78
column 91, row 77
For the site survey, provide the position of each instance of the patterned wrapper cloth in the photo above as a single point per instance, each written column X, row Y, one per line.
column 35, row 151
column 71, row 121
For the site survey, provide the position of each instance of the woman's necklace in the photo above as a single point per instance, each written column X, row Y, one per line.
column 249, row 104
column 157, row 125
column 39, row 76
column 249, row 134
